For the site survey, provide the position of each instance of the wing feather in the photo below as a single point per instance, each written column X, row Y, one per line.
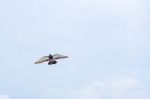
column 43, row 59
column 58, row 56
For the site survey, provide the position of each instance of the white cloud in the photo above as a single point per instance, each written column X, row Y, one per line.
column 126, row 83
column 125, row 88
column 4, row 97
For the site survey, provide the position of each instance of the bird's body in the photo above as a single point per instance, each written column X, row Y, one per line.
column 51, row 59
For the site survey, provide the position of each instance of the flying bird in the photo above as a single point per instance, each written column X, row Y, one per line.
column 51, row 59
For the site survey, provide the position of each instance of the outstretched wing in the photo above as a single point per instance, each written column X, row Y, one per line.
column 43, row 59
column 58, row 56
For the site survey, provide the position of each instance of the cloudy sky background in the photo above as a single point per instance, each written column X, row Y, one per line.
column 107, row 42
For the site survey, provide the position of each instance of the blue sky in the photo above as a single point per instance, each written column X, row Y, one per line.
column 107, row 42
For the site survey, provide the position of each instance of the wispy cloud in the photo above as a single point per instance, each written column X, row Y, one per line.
column 124, row 88
column 4, row 97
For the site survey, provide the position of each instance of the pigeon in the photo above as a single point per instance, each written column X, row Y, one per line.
column 51, row 59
